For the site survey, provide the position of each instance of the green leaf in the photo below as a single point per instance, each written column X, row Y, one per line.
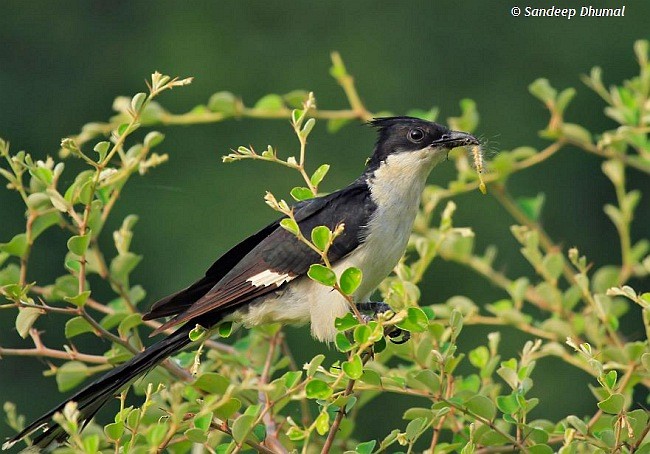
column 137, row 101
column 507, row 404
column 482, row 406
column 532, row 206
column 335, row 124
column 17, row 246
column 212, row 383
column 370, row 377
column 203, row 421
column 301, row 193
column 156, row 433
column 342, row 343
column 70, row 375
column 153, row 139
column 614, row 404
column 350, row 280
column 362, row 334
column 543, row 91
column 318, row 389
column 414, row 428
column 346, row 322
column 197, row 333
column 540, row 449
column 309, row 125
column 321, row 236
column 270, row 102
column 227, row 409
column 128, row 323
column 296, row 98
column 114, row 431
column 76, row 326
column 314, row 364
column 25, row 319
column 553, row 263
column 366, row 447
column 322, row 274
column 122, row 265
column 322, row 423
column 196, row 435
column 102, row 148
column 353, row 368
column 416, row 320
column 319, row 174
column 78, row 300
column 578, row 424
column 224, row 102
column 290, row 225
column 224, row 329
column 576, row 133
column 78, row 244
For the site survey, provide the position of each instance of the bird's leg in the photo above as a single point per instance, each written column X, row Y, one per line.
column 379, row 307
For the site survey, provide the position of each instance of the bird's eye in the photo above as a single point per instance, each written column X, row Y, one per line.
column 416, row 135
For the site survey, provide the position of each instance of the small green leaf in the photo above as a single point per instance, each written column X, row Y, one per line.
column 290, row 225
column 542, row 90
column 482, row 406
column 78, row 300
column 322, row 274
column 532, row 206
column 102, row 148
column 301, row 193
column 342, row 343
column 203, row 421
column 153, row 138
column 353, row 368
column 196, row 435
column 578, row 424
column 362, row 334
column 322, row 423
column 540, row 449
column 114, row 431
column 17, row 246
column 212, row 383
column 321, row 237
column 614, row 404
column 137, row 101
column 271, row 102
column 507, row 404
column 350, row 280
column 346, row 322
column 224, row 102
column 309, row 125
column 128, row 323
column 156, row 433
column 319, row 174
column 366, row 447
column 416, row 320
column 25, row 319
column 70, row 375
column 318, row 389
column 76, row 326
column 78, row 244
column 224, row 329
column 610, row 379
column 314, row 364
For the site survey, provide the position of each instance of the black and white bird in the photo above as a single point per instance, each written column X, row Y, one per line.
column 263, row 279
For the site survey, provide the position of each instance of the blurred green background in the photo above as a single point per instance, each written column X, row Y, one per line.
column 62, row 64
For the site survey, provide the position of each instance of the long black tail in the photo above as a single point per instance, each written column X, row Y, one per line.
column 91, row 398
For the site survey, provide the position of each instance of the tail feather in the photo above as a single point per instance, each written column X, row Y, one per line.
column 92, row 397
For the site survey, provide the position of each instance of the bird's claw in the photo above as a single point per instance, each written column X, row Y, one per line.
column 395, row 334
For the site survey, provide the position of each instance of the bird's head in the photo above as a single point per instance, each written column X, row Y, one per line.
column 406, row 136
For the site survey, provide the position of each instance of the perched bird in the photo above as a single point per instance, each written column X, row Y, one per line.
column 263, row 279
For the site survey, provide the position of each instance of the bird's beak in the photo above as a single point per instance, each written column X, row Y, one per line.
column 455, row 139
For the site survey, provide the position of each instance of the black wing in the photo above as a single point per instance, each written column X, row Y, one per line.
column 272, row 253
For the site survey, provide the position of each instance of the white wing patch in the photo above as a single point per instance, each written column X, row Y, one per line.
column 268, row 277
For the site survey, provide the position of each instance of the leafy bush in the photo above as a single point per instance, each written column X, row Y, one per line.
column 250, row 394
